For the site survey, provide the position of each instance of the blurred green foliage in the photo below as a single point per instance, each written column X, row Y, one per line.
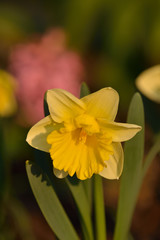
column 117, row 39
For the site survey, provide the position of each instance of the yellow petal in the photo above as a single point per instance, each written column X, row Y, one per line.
column 119, row 132
column 102, row 104
column 37, row 135
column 63, row 105
column 73, row 156
column 59, row 173
column 114, row 164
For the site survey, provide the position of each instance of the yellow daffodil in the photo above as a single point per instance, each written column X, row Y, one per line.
column 7, row 97
column 81, row 135
column 148, row 82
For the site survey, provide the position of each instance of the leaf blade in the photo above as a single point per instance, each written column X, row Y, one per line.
column 77, row 189
column 49, row 203
column 131, row 177
column 84, row 90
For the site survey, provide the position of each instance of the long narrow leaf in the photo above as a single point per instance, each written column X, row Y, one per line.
column 131, row 177
column 49, row 203
column 82, row 191
column 77, row 189
column 84, row 90
column 152, row 153
column 87, row 183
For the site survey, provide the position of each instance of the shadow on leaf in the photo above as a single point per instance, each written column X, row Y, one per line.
column 37, row 172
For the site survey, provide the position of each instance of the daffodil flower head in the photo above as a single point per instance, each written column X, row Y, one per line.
column 7, row 96
column 81, row 134
column 148, row 82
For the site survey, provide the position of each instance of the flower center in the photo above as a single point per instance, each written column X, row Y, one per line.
column 82, row 136
column 88, row 124
column 85, row 125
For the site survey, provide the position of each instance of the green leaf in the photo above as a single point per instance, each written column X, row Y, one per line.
column 152, row 153
column 87, row 183
column 132, row 173
column 82, row 191
column 49, row 203
column 45, row 105
column 84, row 90
column 77, row 189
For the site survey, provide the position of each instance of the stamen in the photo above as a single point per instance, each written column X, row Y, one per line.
column 83, row 136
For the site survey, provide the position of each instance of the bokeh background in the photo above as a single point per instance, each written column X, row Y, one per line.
column 47, row 44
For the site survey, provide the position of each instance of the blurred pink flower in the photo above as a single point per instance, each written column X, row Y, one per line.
column 40, row 66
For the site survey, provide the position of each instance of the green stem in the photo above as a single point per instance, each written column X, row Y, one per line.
column 100, row 220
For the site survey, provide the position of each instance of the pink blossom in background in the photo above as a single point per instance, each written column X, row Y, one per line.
column 44, row 65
